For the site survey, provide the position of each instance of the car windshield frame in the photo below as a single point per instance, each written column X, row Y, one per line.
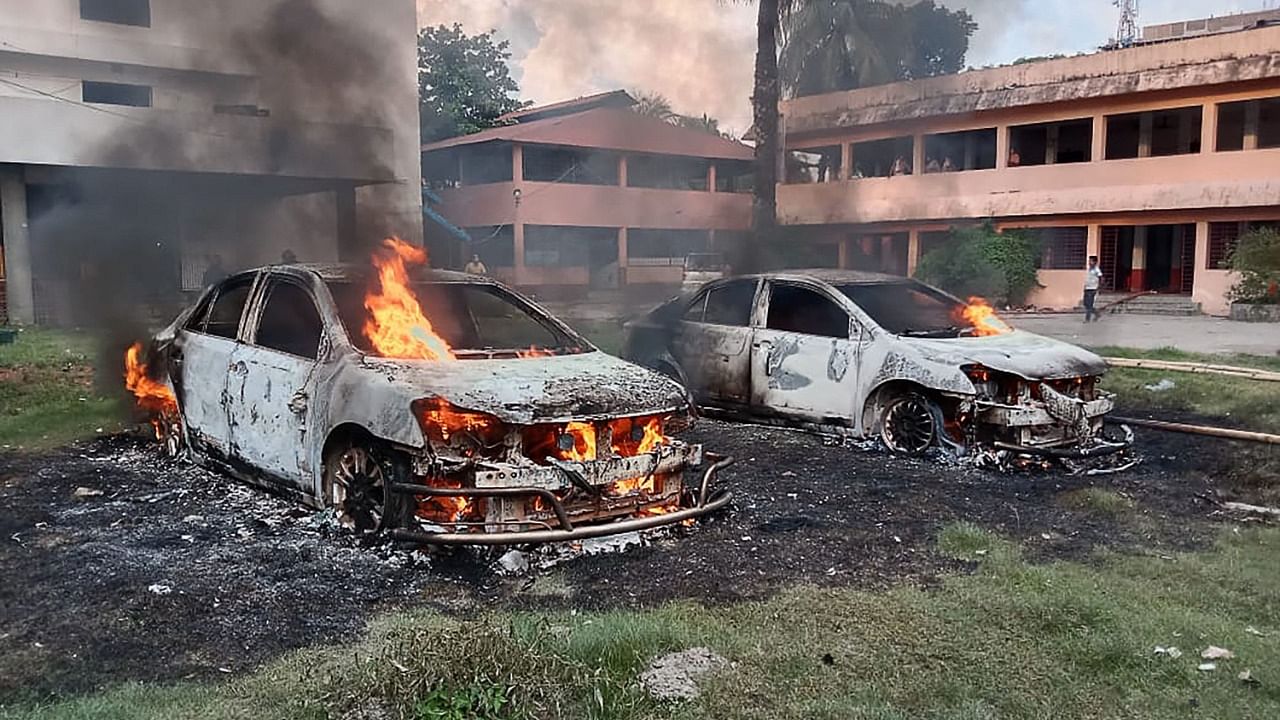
column 923, row 327
column 571, row 342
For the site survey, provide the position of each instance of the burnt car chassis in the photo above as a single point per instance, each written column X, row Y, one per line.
column 704, row 501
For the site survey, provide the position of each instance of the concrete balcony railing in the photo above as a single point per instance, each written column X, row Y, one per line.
column 1208, row 180
column 595, row 206
column 43, row 131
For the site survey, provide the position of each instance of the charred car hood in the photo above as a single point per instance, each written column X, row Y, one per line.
column 1020, row 353
column 526, row 391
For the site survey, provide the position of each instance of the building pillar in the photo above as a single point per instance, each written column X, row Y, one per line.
column 1201, row 263
column 1051, row 144
column 16, row 245
column 1146, row 127
column 846, row 161
column 517, row 163
column 622, row 247
column 517, row 249
column 1209, row 128
column 1098, row 149
column 711, row 176
column 917, row 154
column 622, row 171
column 844, row 250
column 349, row 249
column 1002, row 147
column 913, row 251
column 1138, row 273
column 1252, row 118
column 1093, row 244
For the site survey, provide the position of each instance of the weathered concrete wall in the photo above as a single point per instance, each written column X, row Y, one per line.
column 1199, row 62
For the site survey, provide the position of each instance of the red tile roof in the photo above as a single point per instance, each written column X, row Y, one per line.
column 606, row 128
column 613, row 98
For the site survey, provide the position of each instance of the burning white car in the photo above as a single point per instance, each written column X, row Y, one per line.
column 491, row 423
column 869, row 355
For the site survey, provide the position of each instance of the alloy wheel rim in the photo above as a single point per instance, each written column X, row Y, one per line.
column 358, row 483
column 910, row 427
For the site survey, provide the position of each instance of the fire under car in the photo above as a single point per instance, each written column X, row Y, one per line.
column 442, row 408
column 867, row 355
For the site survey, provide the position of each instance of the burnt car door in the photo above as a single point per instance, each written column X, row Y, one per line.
column 203, row 357
column 712, row 342
column 804, row 359
column 271, row 381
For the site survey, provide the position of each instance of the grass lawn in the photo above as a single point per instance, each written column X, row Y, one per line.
column 1251, row 404
column 47, row 394
column 1012, row 640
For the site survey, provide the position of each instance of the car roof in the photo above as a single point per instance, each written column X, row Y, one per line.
column 833, row 277
column 354, row 272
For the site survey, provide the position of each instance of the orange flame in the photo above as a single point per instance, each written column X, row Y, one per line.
column 397, row 327
column 154, row 398
column 584, row 442
column 624, row 445
column 979, row 314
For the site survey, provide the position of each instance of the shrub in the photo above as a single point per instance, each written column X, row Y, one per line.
column 1256, row 259
column 980, row 261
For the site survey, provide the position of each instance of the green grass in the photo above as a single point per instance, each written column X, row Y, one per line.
column 1252, row 404
column 1098, row 500
column 47, row 393
column 1011, row 640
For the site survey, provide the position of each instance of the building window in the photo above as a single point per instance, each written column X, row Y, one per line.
column 952, row 152
column 664, row 247
column 1158, row 133
column 735, row 176
column 570, row 165
column 556, row 246
column 1062, row 248
column 1255, row 120
column 120, row 12
column 494, row 244
column 883, row 158
column 106, row 93
column 1055, row 143
column 813, row 165
column 668, row 172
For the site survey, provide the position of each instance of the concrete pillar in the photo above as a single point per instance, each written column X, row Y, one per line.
column 1002, row 147
column 846, row 161
column 622, row 170
column 913, row 251
column 19, row 288
column 622, row 247
column 1146, row 127
column 711, row 176
column 917, row 154
column 1051, row 144
column 1202, row 252
column 1098, row 148
column 1138, row 276
column 517, row 250
column 1252, row 118
column 1209, row 128
column 1093, row 245
column 846, row 248
column 517, row 163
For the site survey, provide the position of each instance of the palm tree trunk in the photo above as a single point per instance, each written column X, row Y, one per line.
column 765, row 109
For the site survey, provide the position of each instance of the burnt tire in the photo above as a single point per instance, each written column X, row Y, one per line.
column 357, row 473
column 910, row 424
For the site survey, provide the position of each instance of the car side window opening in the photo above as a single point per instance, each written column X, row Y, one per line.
column 697, row 309
column 290, row 322
column 224, row 316
column 800, row 310
column 907, row 308
column 730, row 304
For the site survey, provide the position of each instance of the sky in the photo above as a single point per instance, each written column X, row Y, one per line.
column 700, row 53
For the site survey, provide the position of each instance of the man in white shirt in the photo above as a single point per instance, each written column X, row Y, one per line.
column 1092, row 281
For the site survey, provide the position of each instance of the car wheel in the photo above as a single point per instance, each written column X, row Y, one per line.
column 356, row 477
column 909, row 424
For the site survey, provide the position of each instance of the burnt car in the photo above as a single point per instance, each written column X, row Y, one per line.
column 869, row 355
column 490, row 423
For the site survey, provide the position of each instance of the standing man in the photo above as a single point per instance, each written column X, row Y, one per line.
column 1092, row 281
column 476, row 266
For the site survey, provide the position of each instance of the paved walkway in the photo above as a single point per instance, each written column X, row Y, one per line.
column 1192, row 334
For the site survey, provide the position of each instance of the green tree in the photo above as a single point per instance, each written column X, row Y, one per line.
column 654, row 105
column 834, row 45
column 1256, row 258
column 464, row 84
column 979, row 261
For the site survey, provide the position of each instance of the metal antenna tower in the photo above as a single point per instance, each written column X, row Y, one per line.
column 1127, row 34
